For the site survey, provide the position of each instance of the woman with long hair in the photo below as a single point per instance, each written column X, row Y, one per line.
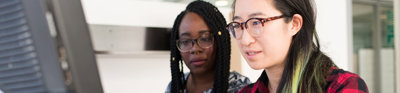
column 279, row 37
column 200, row 40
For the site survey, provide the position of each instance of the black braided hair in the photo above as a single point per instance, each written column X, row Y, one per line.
column 216, row 23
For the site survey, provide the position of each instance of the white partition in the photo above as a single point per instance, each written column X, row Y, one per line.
column 366, row 67
column 386, row 73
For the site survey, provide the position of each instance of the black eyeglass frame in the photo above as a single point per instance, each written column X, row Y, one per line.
column 197, row 42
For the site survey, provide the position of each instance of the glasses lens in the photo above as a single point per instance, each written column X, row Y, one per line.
column 235, row 30
column 254, row 27
column 206, row 40
column 184, row 45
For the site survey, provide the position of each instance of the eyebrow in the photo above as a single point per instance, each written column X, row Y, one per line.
column 185, row 34
column 256, row 14
column 203, row 31
column 236, row 17
column 188, row 34
column 251, row 15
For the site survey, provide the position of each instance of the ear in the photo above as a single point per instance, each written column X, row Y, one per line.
column 295, row 24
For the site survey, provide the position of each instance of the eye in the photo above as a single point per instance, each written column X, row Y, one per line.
column 206, row 39
column 185, row 42
column 236, row 26
column 255, row 23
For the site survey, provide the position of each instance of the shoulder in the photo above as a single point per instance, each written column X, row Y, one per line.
column 237, row 81
column 247, row 88
column 344, row 81
column 168, row 89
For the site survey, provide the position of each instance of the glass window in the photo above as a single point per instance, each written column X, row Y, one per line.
column 363, row 27
column 373, row 45
column 387, row 65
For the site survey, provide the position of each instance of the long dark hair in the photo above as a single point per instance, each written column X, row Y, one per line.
column 216, row 23
column 306, row 68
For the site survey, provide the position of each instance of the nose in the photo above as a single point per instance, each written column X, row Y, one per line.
column 196, row 49
column 246, row 39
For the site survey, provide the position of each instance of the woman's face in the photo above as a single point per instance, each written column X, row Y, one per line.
column 199, row 60
column 270, row 48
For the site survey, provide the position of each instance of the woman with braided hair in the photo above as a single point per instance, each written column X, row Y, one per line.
column 200, row 40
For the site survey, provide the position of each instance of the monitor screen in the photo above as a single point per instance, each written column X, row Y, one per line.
column 33, row 60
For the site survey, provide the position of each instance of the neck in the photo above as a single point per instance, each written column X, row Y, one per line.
column 274, row 77
column 197, row 83
column 199, row 79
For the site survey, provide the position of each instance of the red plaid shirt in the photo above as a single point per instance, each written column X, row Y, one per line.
column 339, row 81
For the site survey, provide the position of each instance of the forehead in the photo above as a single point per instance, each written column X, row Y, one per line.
column 245, row 9
column 192, row 24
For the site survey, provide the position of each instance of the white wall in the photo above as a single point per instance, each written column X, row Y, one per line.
column 334, row 27
column 131, row 12
column 134, row 12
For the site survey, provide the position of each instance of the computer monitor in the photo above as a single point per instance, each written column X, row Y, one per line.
column 32, row 60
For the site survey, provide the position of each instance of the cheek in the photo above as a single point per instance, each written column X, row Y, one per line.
column 274, row 46
column 273, row 40
column 277, row 35
column 185, row 56
column 241, row 46
column 211, row 53
column 276, row 42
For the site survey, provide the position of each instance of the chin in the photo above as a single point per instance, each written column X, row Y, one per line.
column 198, row 70
column 255, row 66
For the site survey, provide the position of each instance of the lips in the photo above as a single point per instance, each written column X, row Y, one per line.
column 251, row 54
column 198, row 62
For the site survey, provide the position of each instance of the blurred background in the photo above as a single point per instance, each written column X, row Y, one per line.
column 130, row 40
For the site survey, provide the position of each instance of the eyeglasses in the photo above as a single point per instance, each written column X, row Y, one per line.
column 253, row 25
column 205, row 40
